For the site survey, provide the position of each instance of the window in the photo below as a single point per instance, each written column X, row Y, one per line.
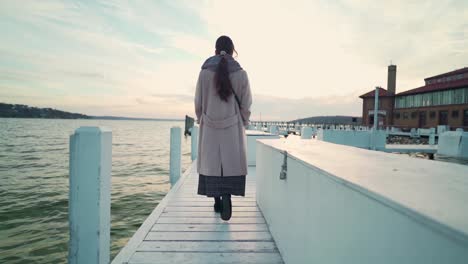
column 422, row 119
column 417, row 101
column 432, row 114
column 465, row 117
column 397, row 115
column 436, row 98
column 409, row 101
column 466, row 95
column 455, row 114
column 447, row 97
column 443, row 117
column 414, row 115
column 458, row 96
column 400, row 102
column 427, row 99
column 405, row 115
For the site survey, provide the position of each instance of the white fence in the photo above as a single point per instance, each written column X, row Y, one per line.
column 252, row 136
column 356, row 138
column 453, row 144
column 347, row 205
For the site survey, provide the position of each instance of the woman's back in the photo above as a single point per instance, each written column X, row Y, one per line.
column 212, row 105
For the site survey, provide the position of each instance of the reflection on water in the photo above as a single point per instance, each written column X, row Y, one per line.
column 34, row 182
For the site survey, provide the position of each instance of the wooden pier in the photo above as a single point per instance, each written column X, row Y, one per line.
column 183, row 228
column 346, row 191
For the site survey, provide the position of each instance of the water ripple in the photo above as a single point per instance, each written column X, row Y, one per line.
column 34, row 183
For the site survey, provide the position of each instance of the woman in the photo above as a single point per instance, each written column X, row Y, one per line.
column 222, row 105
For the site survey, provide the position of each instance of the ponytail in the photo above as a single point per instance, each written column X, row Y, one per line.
column 223, row 83
column 224, row 48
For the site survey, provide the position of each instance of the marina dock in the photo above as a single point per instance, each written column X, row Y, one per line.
column 183, row 228
column 307, row 201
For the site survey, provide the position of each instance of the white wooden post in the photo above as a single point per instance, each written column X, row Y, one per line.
column 306, row 133
column 274, row 130
column 431, row 139
column 89, row 197
column 175, row 155
column 194, row 142
column 376, row 118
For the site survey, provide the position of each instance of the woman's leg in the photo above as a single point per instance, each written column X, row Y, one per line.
column 226, row 210
column 217, row 204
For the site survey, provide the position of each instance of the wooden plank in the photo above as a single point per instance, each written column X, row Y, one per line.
column 249, row 188
column 205, row 258
column 195, row 189
column 189, row 231
column 209, row 209
column 124, row 255
column 195, row 184
column 194, row 192
column 209, row 236
column 194, row 195
column 206, row 220
column 210, row 199
column 211, row 213
column 209, row 228
column 207, row 246
column 210, row 203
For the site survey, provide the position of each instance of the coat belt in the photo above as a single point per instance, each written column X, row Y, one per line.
column 223, row 123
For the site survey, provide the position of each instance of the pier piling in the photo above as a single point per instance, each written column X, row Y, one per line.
column 376, row 118
column 89, row 201
column 175, row 155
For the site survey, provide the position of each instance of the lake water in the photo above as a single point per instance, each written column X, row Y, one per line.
column 34, row 182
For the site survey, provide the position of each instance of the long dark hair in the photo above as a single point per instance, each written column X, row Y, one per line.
column 223, row 83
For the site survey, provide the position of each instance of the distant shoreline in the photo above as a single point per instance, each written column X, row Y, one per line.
column 25, row 111
column 133, row 118
column 95, row 118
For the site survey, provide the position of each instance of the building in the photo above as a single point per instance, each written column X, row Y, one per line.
column 443, row 100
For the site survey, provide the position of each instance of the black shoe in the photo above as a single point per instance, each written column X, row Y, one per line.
column 217, row 204
column 226, row 211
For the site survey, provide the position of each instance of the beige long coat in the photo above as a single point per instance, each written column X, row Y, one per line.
column 222, row 140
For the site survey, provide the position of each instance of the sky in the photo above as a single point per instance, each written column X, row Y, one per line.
column 142, row 58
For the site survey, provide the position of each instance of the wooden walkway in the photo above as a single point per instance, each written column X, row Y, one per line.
column 183, row 228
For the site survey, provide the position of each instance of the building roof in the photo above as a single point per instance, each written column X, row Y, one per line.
column 431, row 87
column 462, row 70
column 436, row 87
column 382, row 93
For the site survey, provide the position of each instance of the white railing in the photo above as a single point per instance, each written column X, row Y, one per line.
column 367, row 139
column 327, row 203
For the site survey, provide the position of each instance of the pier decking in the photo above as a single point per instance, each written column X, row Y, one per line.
column 183, row 228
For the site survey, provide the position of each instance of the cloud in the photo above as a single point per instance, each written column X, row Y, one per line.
column 303, row 57
column 267, row 107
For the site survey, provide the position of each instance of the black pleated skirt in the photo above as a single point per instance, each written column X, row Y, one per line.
column 215, row 186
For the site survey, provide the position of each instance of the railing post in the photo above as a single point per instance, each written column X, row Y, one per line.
column 89, row 196
column 274, row 130
column 175, row 155
column 194, row 142
column 431, row 139
column 376, row 119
